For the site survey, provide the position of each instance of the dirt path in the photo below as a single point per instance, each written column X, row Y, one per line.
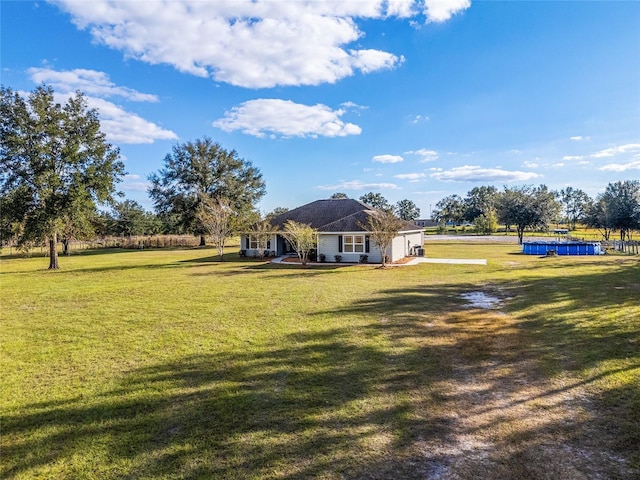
column 503, row 419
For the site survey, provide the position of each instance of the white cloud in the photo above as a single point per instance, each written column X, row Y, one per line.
column 353, row 106
column 387, row 158
column 439, row 11
column 121, row 126
column 264, row 117
column 613, row 151
column 118, row 125
column 472, row 173
column 427, row 155
column 251, row 43
column 134, row 183
column 580, row 138
column 420, row 118
column 531, row 164
column 89, row 82
column 413, row 177
column 359, row 185
column 621, row 167
column 573, row 157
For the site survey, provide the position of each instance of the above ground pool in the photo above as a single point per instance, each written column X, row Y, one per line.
column 561, row 248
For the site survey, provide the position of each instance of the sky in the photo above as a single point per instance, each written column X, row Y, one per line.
column 411, row 99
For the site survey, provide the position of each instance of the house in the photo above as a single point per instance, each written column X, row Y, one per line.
column 423, row 222
column 341, row 230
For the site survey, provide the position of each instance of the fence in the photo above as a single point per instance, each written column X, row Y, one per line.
column 631, row 247
column 132, row 242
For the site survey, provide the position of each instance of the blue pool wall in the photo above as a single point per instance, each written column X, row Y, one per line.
column 562, row 248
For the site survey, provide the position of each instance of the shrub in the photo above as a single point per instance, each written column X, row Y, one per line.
column 338, row 258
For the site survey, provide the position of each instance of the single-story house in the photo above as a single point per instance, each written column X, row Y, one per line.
column 341, row 230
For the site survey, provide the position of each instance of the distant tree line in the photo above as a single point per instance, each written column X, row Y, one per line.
column 404, row 209
column 58, row 179
column 529, row 207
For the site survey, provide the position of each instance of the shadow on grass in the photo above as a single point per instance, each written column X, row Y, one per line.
column 425, row 389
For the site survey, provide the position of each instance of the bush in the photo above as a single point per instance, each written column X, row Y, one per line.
column 338, row 258
column 364, row 258
column 322, row 257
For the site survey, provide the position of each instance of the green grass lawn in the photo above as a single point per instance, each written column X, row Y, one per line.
column 170, row 364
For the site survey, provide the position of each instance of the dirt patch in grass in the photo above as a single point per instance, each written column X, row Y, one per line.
column 501, row 417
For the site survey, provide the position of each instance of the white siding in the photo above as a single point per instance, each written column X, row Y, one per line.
column 404, row 243
column 252, row 252
column 328, row 245
column 401, row 247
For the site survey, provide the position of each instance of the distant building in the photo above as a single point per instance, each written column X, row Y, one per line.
column 425, row 223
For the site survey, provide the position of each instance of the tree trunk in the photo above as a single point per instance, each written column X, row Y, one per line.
column 203, row 241
column 53, row 252
column 65, row 246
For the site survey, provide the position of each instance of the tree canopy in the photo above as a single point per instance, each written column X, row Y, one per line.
column 407, row 210
column 528, row 207
column 376, row 200
column 383, row 227
column 203, row 167
column 449, row 209
column 575, row 203
column 55, row 166
column 618, row 208
column 302, row 238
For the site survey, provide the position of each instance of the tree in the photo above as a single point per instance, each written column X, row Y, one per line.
column 480, row 201
column 376, row 200
column 55, row 162
column 407, row 210
column 449, row 209
column 301, row 237
column 130, row 218
column 599, row 217
column 277, row 211
column 203, row 168
column 528, row 207
column 261, row 232
column 621, row 203
column 486, row 224
column 338, row 195
column 216, row 217
column 76, row 227
column 575, row 203
column 383, row 227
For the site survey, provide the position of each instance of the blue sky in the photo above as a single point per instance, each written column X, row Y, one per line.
column 412, row 99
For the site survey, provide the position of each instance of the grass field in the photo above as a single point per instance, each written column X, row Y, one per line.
column 169, row 364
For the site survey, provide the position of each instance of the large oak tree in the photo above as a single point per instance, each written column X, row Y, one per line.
column 528, row 207
column 55, row 166
column 203, row 168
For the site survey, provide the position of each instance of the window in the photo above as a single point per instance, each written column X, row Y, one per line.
column 353, row 244
column 252, row 243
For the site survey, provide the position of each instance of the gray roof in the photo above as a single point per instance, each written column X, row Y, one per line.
column 333, row 215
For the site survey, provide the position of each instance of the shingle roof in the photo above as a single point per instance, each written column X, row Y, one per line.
column 333, row 215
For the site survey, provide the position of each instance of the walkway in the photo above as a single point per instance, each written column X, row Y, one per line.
column 413, row 261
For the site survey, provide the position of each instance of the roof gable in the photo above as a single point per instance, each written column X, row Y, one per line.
column 333, row 215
